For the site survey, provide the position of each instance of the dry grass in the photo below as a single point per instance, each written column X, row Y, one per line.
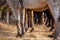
column 9, row 32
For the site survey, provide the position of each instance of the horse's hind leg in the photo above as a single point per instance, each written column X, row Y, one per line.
column 52, row 21
column 53, row 25
column 32, row 21
column 26, row 20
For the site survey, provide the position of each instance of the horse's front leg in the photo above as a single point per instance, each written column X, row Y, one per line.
column 18, row 23
column 23, row 22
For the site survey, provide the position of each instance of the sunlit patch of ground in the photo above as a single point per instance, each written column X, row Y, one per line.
column 9, row 32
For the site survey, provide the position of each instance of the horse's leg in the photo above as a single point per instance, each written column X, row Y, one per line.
column 53, row 28
column 34, row 17
column 51, row 21
column 29, row 18
column 28, row 15
column 52, row 13
column 18, row 25
column 16, row 14
column 7, row 17
column 56, row 34
column 26, row 21
column 48, row 18
column 45, row 19
column 52, row 25
column 23, row 22
column 42, row 17
column 32, row 21
column 39, row 17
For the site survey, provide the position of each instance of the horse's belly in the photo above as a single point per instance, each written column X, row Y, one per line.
column 34, row 4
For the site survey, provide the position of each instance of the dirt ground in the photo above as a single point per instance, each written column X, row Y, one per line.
column 8, row 32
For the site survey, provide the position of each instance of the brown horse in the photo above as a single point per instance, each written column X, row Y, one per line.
column 20, row 7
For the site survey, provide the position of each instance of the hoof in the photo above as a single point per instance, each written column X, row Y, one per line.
column 26, row 29
column 51, row 29
column 20, row 35
column 32, row 30
column 51, row 36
